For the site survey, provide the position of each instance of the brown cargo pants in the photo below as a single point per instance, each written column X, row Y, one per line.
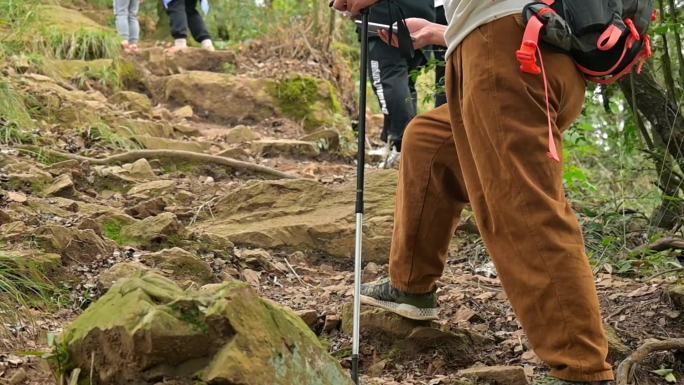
column 489, row 147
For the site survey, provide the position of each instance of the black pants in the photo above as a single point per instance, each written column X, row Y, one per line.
column 394, row 87
column 439, row 52
column 183, row 14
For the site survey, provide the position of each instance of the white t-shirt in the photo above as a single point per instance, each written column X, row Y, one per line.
column 464, row 16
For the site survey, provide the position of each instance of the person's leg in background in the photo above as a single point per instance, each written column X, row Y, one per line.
column 390, row 78
column 121, row 9
column 133, row 24
column 500, row 126
column 440, row 67
column 197, row 26
column 178, row 20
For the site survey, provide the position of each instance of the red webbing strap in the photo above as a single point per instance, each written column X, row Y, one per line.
column 553, row 151
column 527, row 57
column 527, row 54
column 609, row 38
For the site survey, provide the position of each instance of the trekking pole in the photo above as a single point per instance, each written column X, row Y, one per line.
column 360, row 162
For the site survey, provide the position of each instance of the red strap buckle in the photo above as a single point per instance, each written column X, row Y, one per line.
column 527, row 57
column 527, row 54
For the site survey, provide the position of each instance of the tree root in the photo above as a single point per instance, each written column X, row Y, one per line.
column 626, row 367
column 173, row 155
column 662, row 244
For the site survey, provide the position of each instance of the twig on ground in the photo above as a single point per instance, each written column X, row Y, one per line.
column 295, row 273
column 626, row 367
column 201, row 207
column 132, row 156
column 618, row 311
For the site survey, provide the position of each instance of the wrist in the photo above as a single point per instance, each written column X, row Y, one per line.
column 437, row 35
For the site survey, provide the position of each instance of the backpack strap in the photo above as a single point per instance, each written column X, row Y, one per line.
column 527, row 54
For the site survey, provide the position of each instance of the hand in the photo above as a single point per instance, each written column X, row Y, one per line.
column 423, row 33
column 353, row 6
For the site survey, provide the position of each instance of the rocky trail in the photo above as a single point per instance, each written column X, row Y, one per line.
column 173, row 222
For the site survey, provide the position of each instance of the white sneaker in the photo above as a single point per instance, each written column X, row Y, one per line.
column 208, row 45
column 391, row 160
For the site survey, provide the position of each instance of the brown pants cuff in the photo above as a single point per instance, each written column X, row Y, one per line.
column 397, row 284
column 570, row 374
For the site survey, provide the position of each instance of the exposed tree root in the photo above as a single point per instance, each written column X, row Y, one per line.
column 626, row 367
column 172, row 155
column 662, row 244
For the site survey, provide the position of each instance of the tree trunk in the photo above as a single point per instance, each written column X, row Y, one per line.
column 667, row 133
column 667, row 62
column 674, row 16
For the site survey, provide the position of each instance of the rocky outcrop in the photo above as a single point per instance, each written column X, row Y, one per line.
column 411, row 337
column 307, row 215
column 235, row 99
column 146, row 329
column 152, row 232
column 288, row 147
column 133, row 101
column 192, row 59
column 180, row 265
column 74, row 245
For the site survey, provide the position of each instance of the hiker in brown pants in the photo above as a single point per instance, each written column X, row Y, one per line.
column 488, row 147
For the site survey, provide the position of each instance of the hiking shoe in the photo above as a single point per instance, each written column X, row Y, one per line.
column 392, row 160
column 381, row 294
column 549, row 380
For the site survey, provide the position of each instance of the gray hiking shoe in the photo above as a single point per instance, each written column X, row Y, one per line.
column 414, row 306
column 549, row 380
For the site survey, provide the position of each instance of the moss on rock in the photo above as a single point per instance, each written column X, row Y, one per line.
column 145, row 329
column 308, row 100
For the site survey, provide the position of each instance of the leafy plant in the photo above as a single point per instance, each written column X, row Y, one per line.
column 667, row 375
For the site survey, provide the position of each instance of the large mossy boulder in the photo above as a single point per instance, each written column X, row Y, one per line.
column 307, row 215
column 146, row 330
column 234, row 99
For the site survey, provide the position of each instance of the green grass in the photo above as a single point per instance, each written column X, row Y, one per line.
column 83, row 44
column 15, row 121
column 23, row 285
column 112, row 230
column 108, row 78
column 100, row 133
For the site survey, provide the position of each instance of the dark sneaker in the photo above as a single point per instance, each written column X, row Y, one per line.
column 414, row 306
column 549, row 380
